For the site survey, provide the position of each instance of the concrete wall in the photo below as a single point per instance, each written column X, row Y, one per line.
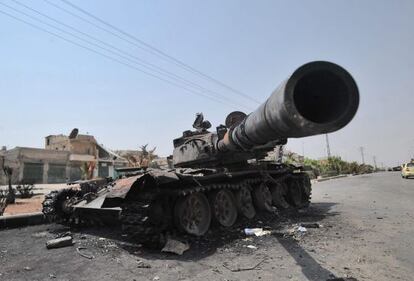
column 82, row 144
column 57, row 142
column 61, row 160
column 34, row 165
column 11, row 159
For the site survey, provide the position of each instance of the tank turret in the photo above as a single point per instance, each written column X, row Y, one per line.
column 319, row 97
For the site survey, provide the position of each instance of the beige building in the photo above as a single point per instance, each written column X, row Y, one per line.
column 64, row 158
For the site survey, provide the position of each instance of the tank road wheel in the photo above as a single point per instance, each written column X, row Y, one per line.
column 263, row 198
column 192, row 214
column 295, row 192
column 244, row 203
column 279, row 192
column 224, row 208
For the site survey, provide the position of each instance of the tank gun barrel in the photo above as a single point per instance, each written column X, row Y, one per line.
column 319, row 97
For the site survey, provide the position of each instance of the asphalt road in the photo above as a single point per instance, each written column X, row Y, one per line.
column 378, row 209
column 367, row 234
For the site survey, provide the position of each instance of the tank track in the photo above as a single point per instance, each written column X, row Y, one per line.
column 147, row 218
column 52, row 206
column 140, row 224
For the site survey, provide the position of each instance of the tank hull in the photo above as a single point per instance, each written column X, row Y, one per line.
column 149, row 205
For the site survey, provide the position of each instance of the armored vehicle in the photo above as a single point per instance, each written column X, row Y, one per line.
column 222, row 175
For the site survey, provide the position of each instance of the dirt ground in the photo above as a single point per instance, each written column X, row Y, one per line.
column 33, row 204
column 365, row 233
column 22, row 206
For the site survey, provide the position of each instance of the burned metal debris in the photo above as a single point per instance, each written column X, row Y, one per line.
column 59, row 242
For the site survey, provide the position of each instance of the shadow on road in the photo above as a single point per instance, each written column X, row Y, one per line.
column 313, row 270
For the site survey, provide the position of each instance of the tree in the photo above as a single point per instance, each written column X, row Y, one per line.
column 11, row 195
column 143, row 158
column 147, row 156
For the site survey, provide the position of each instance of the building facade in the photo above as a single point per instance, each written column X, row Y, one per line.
column 64, row 159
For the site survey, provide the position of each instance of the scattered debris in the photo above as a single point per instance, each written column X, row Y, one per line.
column 129, row 244
column 238, row 269
column 310, row 225
column 256, row 231
column 59, row 242
column 301, row 229
column 295, row 231
column 52, row 276
column 78, row 249
column 142, row 264
column 175, row 246
column 64, row 234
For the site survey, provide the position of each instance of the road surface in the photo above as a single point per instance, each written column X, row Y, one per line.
column 367, row 234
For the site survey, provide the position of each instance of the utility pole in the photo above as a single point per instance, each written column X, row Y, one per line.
column 362, row 154
column 328, row 149
column 375, row 162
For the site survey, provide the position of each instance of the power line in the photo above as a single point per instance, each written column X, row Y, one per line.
column 111, row 58
column 135, row 59
column 148, row 48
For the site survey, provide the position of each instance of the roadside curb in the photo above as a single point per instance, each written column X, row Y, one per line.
column 22, row 220
column 331, row 178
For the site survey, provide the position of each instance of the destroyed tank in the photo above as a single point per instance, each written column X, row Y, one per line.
column 222, row 175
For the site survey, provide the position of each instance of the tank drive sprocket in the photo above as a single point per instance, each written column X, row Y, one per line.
column 57, row 205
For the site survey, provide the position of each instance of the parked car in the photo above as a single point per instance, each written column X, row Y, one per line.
column 407, row 170
column 396, row 168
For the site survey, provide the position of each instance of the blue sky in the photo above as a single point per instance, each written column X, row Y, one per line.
column 48, row 86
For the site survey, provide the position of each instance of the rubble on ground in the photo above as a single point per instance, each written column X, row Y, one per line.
column 59, row 242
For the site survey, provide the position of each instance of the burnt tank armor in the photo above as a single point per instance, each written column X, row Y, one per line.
column 222, row 175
